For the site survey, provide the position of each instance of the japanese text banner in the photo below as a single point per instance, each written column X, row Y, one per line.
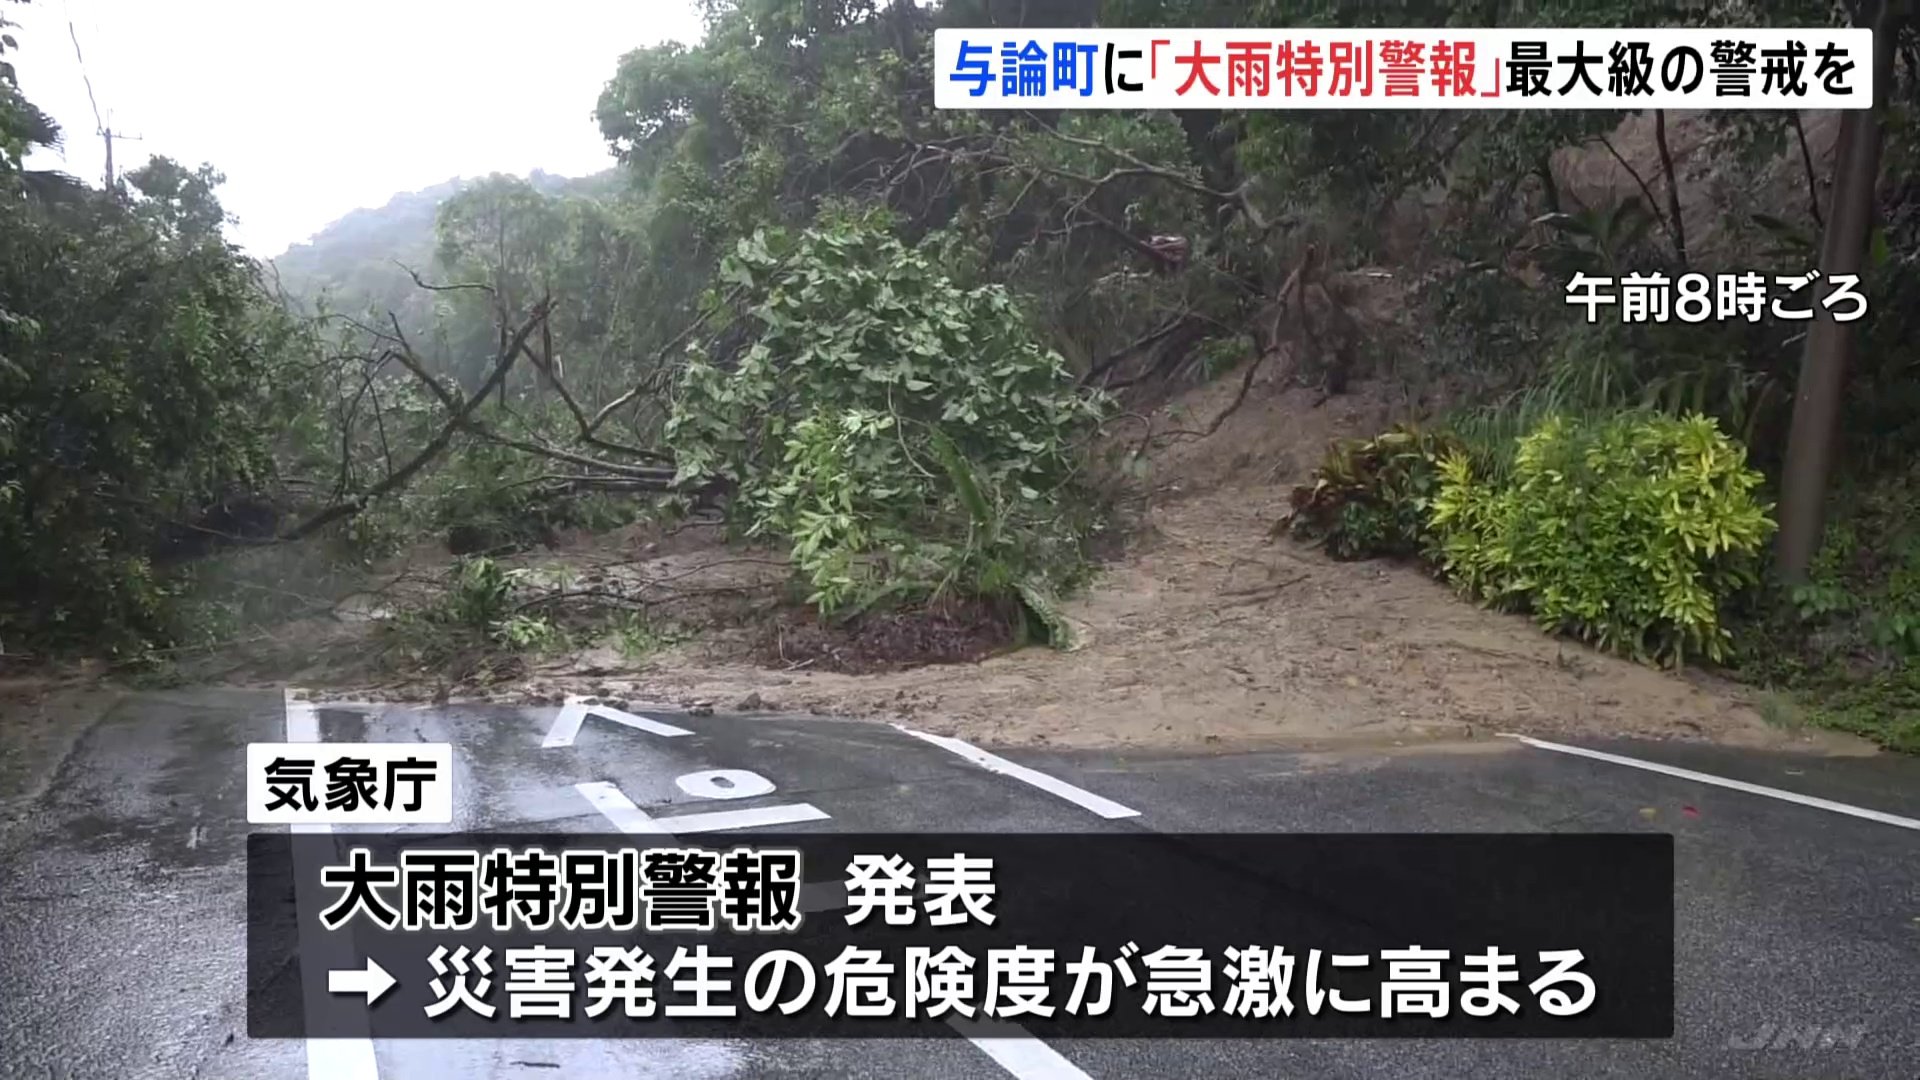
column 1448, row 68
column 1124, row 934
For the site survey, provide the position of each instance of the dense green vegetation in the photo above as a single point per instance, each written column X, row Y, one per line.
column 888, row 339
column 143, row 378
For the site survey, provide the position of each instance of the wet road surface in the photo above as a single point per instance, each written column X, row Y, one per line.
column 122, row 913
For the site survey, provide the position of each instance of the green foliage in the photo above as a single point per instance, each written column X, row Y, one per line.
column 478, row 593
column 1630, row 532
column 893, row 397
column 1370, row 498
column 23, row 125
column 901, row 432
column 638, row 635
column 1594, row 241
column 1863, row 589
column 1884, row 707
column 1593, row 371
column 1841, row 645
column 478, row 607
column 529, row 632
column 143, row 378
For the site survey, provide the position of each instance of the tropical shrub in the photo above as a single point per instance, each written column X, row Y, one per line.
column 1629, row 531
column 1370, row 497
column 900, row 432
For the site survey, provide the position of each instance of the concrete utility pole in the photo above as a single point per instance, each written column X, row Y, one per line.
column 1829, row 346
column 109, row 134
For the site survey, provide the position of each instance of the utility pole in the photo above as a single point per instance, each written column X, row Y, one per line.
column 109, row 134
column 102, row 128
column 1829, row 347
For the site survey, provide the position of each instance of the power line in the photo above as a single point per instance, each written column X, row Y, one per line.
column 100, row 126
column 72, row 33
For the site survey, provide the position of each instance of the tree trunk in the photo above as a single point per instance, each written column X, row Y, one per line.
column 1673, row 186
column 1829, row 345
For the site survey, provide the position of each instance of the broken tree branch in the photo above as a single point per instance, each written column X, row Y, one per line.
column 509, row 351
column 1653, row 204
column 660, row 355
column 587, row 425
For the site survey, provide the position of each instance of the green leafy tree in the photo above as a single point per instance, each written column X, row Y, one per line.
column 142, row 379
column 900, row 431
column 179, row 203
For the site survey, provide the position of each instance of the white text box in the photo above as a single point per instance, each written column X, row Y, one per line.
column 1424, row 68
column 318, row 783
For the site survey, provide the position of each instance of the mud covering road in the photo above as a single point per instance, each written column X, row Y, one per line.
column 122, row 910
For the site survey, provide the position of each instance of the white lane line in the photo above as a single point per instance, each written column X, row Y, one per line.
column 1020, row 1054
column 566, row 726
column 1721, row 781
column 1009, row 1045
column 327, row 1059
column 1101, row 805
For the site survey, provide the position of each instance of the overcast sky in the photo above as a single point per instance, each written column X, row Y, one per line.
column 313, row 110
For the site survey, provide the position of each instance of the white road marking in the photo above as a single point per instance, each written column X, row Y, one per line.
column 1721, row 781
column 628, row 818
column 1008, row 1044
column 1021, row 1054
column 327, row 1059
column 621, row 812
column 724, row 784
column 1101, row 805
column 566, row 726
column 721, row 820
column 617, row 808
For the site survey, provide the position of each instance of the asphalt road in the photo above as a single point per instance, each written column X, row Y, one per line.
column 122, row 905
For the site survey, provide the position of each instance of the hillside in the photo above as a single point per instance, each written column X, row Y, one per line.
column 352, row 261
column 955, row 386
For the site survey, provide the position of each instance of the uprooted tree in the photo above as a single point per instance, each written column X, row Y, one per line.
column 905, row 435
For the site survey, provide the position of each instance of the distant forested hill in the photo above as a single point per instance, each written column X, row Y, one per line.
column 352, row 262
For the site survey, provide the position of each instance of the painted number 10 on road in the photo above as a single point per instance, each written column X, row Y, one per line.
column 721, row 784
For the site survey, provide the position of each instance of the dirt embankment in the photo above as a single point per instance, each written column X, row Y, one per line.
column 1203, row 633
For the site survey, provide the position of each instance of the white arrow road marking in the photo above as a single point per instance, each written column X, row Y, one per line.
column 1079, row 796
column 566, row 726
column 372, row 982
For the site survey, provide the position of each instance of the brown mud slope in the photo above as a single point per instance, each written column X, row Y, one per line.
column 1203, row 633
